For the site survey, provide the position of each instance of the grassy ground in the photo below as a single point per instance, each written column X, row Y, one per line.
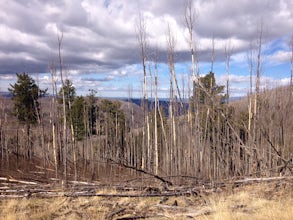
column 258, row 201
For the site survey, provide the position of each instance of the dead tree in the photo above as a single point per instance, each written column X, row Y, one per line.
column 53, row 118
column 156, row 118
column 291, row 79
column 65, row 147
column 257, row 95
column 250, row 59
column 228, row 51
column 213, row 53
column 142, row 42
column 190, row 16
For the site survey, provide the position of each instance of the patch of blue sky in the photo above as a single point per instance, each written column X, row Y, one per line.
column 282, row 70
column 106, row 3
column 278, row 44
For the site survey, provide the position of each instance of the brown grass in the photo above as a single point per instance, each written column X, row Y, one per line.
column 258, row 201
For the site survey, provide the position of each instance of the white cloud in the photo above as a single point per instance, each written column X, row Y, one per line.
column 280, row 57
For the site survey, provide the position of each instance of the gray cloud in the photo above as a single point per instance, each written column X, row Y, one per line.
column 105, row 79
column 100, row 36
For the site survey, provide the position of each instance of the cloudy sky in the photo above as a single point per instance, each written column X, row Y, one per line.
column 100, row 49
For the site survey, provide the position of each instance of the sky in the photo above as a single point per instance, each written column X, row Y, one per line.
column 100, row 50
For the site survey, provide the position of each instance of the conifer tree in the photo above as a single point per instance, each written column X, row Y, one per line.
column 25, row 94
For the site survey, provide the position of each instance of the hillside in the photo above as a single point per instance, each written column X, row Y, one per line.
column 218, row 162
column 232, row 141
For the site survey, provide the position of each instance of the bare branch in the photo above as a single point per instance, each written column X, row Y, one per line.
column 190, row 16
column 228, row 52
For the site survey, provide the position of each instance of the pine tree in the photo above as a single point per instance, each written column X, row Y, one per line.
column 77, row 117
column 25, row 94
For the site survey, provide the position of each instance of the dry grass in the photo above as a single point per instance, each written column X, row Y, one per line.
column 258, row 201
column 55, row 208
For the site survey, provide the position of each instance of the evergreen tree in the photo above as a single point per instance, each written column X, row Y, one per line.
column 208, row 89
column 92, row 111
column 77, row 115
column 69, row 92
column 25, row 94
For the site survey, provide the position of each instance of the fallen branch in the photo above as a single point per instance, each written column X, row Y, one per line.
column 128, row 195
column 116, row 212
column 286, row 162
column 266, row 179
column 142, row 171
column 17, row 181
column 136, row 217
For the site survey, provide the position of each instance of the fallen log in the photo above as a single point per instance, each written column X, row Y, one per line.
column 115, row 212
column 168, row 183
column 128, row 195
column 262, row 179
column 12, row 180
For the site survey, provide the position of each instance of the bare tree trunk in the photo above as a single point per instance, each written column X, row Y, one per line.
column 250, row 58
column 190, row 18
column 173, row 97
column 213, row 53
column 42, row 135
column 228, row 51
column 195, row 154
column 291, row 67
column 166, row 158
column 256, row 126
column 65, row 147
column 142, row 41
column 2, row 132
column 258, row 71
column 73, row 142
column 53, row 120
column 6, row 140
column 156, row 120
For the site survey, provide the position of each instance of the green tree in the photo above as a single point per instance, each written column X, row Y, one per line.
column 77, row 117
column 75, row 109
column 70, row 94
column 208, row 90
column 92, row 111
column 25, row 94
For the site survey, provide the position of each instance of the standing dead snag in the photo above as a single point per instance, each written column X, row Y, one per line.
column 250, row 60
column 291, row 66
column 228, row 51
column 142, row 41
column 257, row 97
column 213, row 53
column 172, row 154
column 156, row 118
column 54, row 118
column 190, row 18
column 65, row 150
